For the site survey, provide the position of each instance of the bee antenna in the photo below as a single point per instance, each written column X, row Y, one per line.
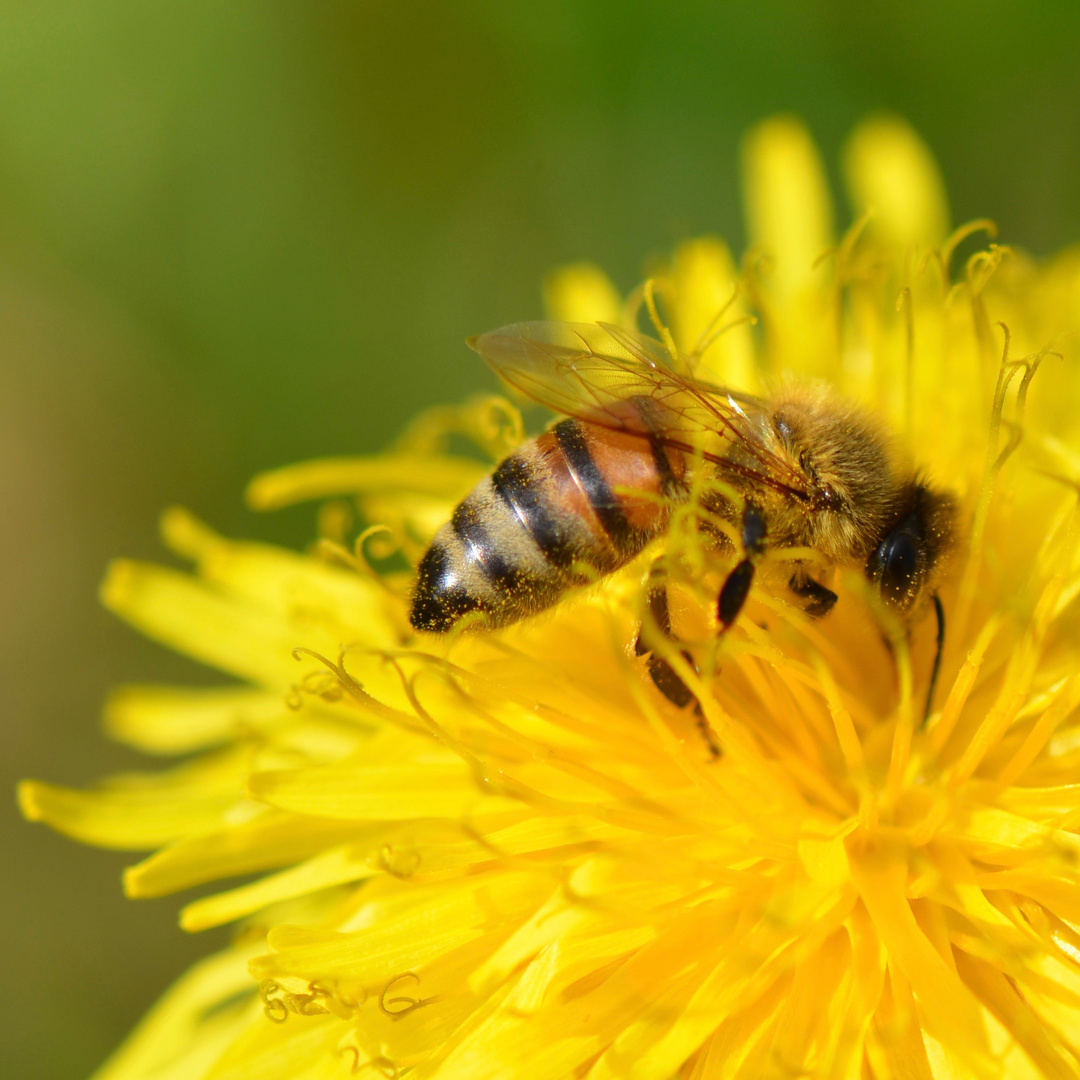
column 939, row 611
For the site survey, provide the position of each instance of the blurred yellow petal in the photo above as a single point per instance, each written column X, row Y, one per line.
column 789, row 210
column 190, row 1027
column 581, row 292
column 402, row 929
column 707, row 303
column 337, row 476
column 180, row 719
column 241, row 639
column 411, row 790
column 947, row 1010
column 337, row 866
column 892, row 175
column 247, row 844
column 129, row 819
column 285, row 1052
column 789, row 218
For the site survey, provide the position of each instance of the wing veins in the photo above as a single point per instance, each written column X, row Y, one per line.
column 557, row 365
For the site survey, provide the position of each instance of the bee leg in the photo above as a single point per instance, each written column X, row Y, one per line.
column 734, row 592
column 736, row 587
column 819, row 599
column 663, row 675
column 715, row 749
column 658, row 609
column 661, row 672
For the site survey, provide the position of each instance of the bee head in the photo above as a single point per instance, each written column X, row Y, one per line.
column 912, row 547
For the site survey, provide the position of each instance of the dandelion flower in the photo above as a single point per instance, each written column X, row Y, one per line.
column 506, row 854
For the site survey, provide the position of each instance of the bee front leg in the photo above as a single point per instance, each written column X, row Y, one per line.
column 736, row 587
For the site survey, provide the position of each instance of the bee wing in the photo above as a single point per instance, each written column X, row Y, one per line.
column 592, row 370
column 571, row 366
column 587, row 370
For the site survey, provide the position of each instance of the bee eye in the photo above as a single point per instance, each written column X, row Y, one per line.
column 894, row 566
column 783, row 429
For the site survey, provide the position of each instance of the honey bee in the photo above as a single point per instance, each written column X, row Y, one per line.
column 799, row 469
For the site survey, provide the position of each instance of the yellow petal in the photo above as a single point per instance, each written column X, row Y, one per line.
column 786, row 196
column 265, row 841
column 557, row 919
column 754, row 958
column 947, row 1008
column 305, row 1050
column 571, row 958
column 402, row 792
column 581, row 292
column 189, row 616
column 867, row 975
column 825, row 861
column 1007, row 839
column 302, row 591
column 334, row 867
column 1051, row 1054
column 891, row 174
column 705, row 301
column 897, row 1047
column 404, row 928
column 814, row 1009
column 179, row 719
column 741, row 1043
column 127, row 819
column 192, row 1024
column 324, row 477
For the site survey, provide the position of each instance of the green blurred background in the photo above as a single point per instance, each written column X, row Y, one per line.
column 233, row 235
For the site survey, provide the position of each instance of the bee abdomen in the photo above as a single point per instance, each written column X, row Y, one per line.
column 549, row 517
column 485, row 559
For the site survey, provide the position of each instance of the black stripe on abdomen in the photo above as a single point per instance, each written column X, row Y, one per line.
column 519, row 485
column 669, row 482
column 497, row 566
column 570, row 435
column 652, row 421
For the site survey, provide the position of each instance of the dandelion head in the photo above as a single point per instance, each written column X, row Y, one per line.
column 509, row 853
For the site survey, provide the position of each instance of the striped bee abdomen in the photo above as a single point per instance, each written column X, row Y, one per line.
column 578, row 502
